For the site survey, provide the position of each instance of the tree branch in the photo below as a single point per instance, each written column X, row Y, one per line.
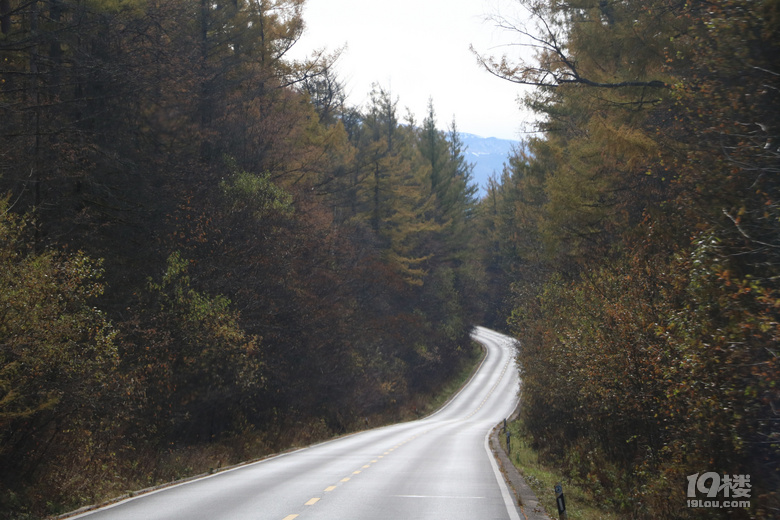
column 555, row 67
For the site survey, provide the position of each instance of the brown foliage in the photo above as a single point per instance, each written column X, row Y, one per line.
column 645, row 234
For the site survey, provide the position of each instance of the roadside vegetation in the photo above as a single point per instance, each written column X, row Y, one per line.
column 584, row 501
column 208, row 255
column 635, row 243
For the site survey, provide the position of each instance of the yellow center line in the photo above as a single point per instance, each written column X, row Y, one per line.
column 290, row 517
column 330, row 488
column 373, row 460
column 356, row 472
column 312, row 501
column 345, row 479
column 367, row 466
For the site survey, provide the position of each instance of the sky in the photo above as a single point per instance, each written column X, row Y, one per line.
column 419, row 50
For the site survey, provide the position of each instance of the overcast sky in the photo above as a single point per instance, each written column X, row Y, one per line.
column 419, row 49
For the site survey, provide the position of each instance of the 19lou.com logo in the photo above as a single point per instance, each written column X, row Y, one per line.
column 713, row 485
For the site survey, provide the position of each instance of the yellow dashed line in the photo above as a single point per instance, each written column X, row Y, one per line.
column 328, row 489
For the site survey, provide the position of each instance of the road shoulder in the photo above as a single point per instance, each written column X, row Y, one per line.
column 527, row 502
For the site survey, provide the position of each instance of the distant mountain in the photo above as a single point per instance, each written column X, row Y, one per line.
column 488, row 155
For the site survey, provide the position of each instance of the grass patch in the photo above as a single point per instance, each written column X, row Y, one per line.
column 580, row 504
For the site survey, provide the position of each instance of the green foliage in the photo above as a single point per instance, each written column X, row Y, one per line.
column 195, row 357
column 53, row 340
column 58, row 358
column 255, row 194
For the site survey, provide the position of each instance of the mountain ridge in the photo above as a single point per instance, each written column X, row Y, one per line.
column 488, row 155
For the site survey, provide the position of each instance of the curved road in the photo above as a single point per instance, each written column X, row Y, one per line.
column 436, row 468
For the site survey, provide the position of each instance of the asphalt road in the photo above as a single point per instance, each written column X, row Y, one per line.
column 436, row 468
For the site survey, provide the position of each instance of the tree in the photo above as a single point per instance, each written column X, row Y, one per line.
column 58, row 356
column 556, row 33
column 639, row 234
column 198, row 367
column 273, row 258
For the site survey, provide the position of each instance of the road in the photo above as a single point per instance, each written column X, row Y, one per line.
column 438, row 467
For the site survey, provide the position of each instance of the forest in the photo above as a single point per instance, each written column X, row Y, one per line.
column 638, row 242
column 208, row 255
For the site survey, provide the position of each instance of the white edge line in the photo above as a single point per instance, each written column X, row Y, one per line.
column 508, row 502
